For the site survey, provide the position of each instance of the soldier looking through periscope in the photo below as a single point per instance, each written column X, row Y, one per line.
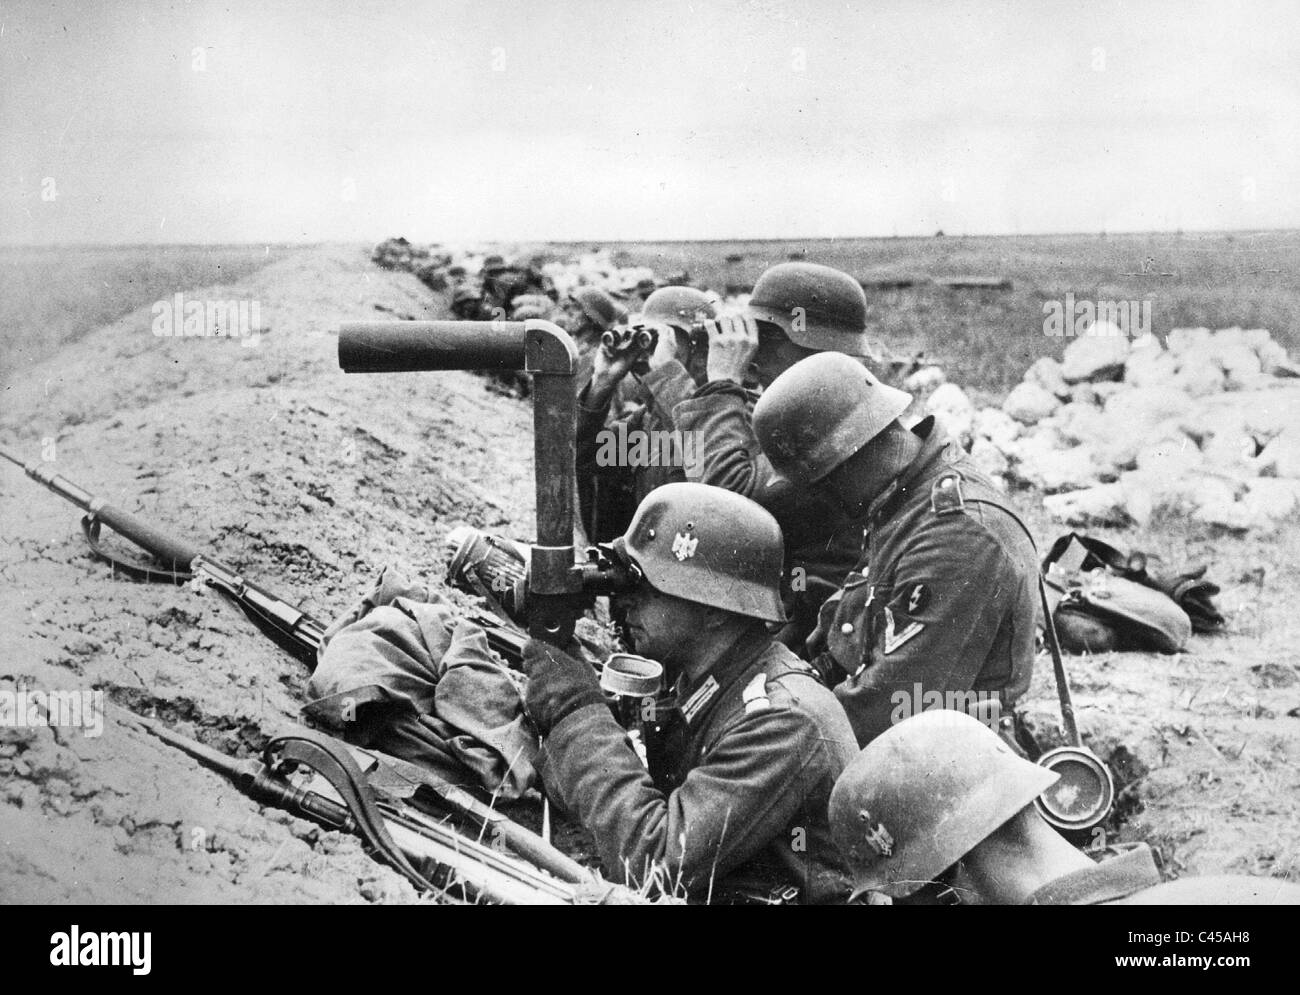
column 749, row 750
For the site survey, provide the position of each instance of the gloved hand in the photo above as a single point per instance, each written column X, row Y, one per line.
column 558, row 684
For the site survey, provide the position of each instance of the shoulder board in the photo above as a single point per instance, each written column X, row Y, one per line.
column 945, row 494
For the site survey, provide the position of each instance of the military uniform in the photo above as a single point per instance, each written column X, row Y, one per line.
column 817, row 538
column 943, row 600
column 744, row 778
column 1132, row 878
column 609, row 495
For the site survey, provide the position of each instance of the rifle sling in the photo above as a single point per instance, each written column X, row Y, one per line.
column 90, row 526
column 332, row 761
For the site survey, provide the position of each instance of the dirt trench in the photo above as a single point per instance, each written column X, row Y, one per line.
column 309, row 480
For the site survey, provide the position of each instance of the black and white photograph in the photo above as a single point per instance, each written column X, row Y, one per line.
column 726, row 452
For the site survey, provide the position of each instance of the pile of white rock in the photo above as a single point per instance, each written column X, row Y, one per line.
column 1207, row 425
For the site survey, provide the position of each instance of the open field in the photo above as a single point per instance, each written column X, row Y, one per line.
column 52, row 296
column 310, row 480
column 985, row 339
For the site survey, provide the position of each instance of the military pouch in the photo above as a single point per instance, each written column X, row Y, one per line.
column 1073, row 553
column 1101, row 611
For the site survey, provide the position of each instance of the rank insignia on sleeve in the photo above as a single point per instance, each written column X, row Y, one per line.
column 894, row 637
column 917, row 599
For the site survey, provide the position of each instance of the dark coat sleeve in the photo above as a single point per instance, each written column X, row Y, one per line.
column 953, row 591
column 736, row 801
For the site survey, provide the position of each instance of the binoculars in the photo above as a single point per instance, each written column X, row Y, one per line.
column 643, row 337
column 497, row 569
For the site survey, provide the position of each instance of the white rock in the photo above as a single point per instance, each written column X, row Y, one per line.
column 1085, row 393
column 1271, row 354
column 1198, row 375
column 1029, row 403
column 1231, row 450
column 989, row 458
column 1118, row 444
column 1268, row 413
column 1270, row 500
column 1185, row 340
column 1079, row 422
column 997, row 426
column 1238, row 360
column 1180, row 495
column 1150, row 368
column 1281, row 457
column 1060, row 469
column 1094, row 357
column 1170, row 457
column 1227, row 514
column 925, row 380
column 1046, row 372
column 1101, row 505
column 953, row 410
column 1139, row 409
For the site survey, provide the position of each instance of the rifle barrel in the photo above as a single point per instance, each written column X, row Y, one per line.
column 493, row 875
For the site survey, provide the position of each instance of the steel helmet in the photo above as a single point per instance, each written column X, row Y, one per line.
column 599, row 307
column 680, row 307
column 820, row 412
column 710, row 546
column 466, row 293
column 816, row 306
column 922, row 795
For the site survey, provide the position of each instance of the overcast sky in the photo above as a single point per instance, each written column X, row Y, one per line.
column 246, row 121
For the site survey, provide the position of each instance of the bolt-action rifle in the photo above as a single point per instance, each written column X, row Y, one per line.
column 179, row 562
column 372, row 803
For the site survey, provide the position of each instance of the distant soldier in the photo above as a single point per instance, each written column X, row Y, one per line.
column 944, row 597
column 939, row 799
column 467, row 303
column 796, row 310
column 588, row 313
column 504, row 283
column 749, row 752
column 611, row 489
column 640, row 294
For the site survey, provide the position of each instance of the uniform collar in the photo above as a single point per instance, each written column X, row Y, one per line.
column 1113, row 879
column 697, row 698
column 933, row 441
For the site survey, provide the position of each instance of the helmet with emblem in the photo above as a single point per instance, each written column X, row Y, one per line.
column 711, row 546
column 681, row 307
column 922, row 795
column 817, row 307
column 820, row 412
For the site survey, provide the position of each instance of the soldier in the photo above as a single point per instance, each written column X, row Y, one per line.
column 795, row 311
column 467, row 303
column 943, row 599
column 746, row 765
column 611, row 490
column 940, row 798
column 589, row 312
